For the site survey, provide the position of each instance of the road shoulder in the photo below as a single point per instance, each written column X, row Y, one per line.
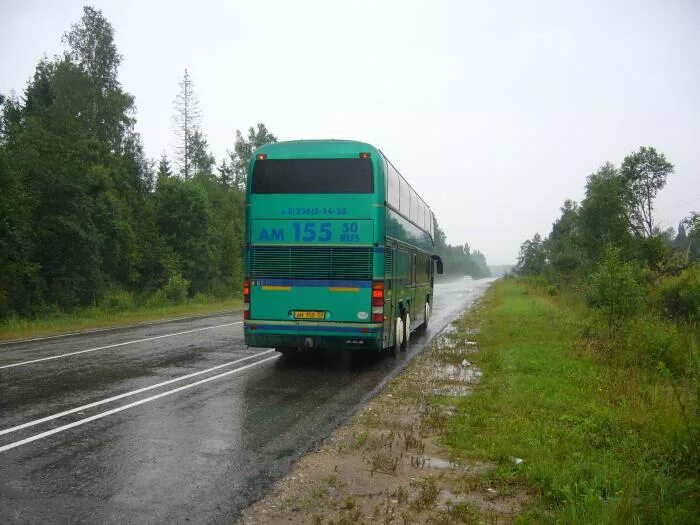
column 387, row 464
column 26, row 331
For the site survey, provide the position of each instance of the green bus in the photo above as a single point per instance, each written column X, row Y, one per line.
column 339, row 250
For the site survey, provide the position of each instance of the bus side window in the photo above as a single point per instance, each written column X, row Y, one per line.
column 414, row 207
column 393, row 183
column 405, row 192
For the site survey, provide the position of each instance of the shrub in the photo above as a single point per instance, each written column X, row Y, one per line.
column 175, row 290
column 680, row 295
column 204, row 298
column 223, row 287
column 117, row 301
column 653, row 341
column 156, row 299
column 172, row 292
column 616, row 289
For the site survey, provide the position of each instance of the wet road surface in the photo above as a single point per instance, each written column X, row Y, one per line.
column 175, row 422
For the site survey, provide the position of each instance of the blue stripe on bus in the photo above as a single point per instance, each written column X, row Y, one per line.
column 314, row 283
column 313, row 328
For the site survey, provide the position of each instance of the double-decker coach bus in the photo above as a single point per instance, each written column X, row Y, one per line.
column 339, row 249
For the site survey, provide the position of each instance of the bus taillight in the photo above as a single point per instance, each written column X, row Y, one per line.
column 246, row 299
column 378, row 302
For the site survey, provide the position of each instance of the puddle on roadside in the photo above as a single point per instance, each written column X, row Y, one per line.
column 449, row 329
column 445, row 344
column 441, row 464
column 450, row 379
column 450, row 390
column 456, row 373
column 488, row 500
column 447, row 499
column 453, row 345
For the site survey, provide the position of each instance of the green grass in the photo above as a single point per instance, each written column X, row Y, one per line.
column 91, row 318
column 602, row 441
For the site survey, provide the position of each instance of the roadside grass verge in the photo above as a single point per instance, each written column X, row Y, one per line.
column 593, row 435
column 98, row 317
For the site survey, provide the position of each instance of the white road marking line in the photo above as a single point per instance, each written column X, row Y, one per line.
column 115, row 328
column 127, row 394
column 130, row 405
column 116, row 345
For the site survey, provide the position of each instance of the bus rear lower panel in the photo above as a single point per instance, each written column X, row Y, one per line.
column 261, row 333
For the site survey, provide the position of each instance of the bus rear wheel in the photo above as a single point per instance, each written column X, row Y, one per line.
column 398, row 337
column 406, row 331
column 424, row 327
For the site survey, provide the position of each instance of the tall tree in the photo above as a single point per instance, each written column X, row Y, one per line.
column 644, row 173
column 225, row 173
column 187, row 121
column 602, row 214
column 533, row 256
column 164, row 169
column 243, row 151
column 202, row 159
column 564, row 243
column 92, row 49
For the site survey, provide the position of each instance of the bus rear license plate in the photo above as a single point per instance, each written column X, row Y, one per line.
column 309, row 315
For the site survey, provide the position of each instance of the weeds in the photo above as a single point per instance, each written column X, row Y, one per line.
column 599, row 411
column 401, row 494
column 427, row 493
column 384, row 463
column 461, row 513
column 411, row 441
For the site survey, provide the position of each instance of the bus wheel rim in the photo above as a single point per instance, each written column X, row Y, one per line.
column 398, row 336
column 407, row 329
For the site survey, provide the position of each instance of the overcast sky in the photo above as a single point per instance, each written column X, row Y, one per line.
column 494, row 111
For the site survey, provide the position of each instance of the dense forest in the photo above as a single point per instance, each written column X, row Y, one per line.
column 86, row 219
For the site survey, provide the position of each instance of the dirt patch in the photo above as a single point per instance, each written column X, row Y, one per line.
column 387, row 465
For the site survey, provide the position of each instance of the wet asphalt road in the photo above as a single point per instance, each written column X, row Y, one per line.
column 198, row 449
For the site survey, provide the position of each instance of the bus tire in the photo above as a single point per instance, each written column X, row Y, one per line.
column 424, row 327
column 406, row 331
column 398, row 337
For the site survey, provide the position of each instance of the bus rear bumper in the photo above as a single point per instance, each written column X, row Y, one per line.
column 297, row 335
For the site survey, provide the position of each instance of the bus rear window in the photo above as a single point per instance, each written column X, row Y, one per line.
column 312, row 176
